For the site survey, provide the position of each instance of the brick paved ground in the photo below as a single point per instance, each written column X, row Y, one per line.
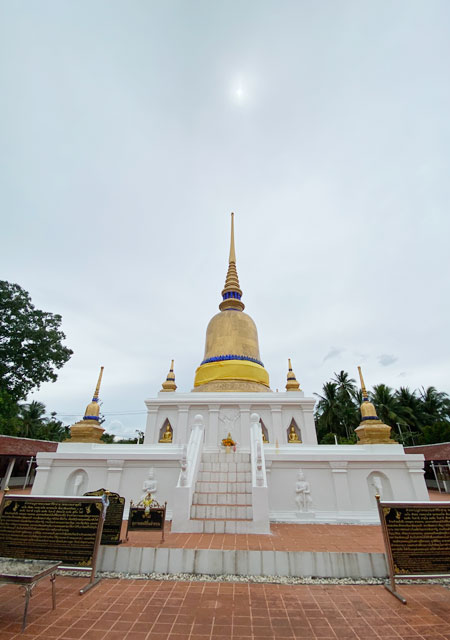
column 141, row 609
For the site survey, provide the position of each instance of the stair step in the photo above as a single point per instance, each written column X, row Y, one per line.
column 226, row 457
column 220, row 511
column 222, row 487
column 211, row 497
column 223, row 526
column 224, row 476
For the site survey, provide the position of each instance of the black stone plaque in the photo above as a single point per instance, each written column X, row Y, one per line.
column 419, row 538
column 47, row 528
column 147, row 518
column 114, row 516
column 140, row 520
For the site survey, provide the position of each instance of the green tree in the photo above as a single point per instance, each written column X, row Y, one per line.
column 31, row 348
column 32, row 418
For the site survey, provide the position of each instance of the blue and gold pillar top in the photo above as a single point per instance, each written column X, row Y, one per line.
column 231, row 361
column 93, row 409
column 169, row 383
column 88, row 429
column 292, row 383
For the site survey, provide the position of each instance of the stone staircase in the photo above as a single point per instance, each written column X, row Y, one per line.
column 222, row 502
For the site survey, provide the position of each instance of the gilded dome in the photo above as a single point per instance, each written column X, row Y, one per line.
column 231, row 361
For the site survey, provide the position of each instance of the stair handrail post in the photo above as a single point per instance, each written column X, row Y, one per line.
column 190, row 463
column 260, row 490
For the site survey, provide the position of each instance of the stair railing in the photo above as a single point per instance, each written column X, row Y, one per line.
column 190, row 463
column 260, row 491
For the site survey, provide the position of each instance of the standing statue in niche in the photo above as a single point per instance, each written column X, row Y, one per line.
column 303, row 493
column 77, row 484
column 149, row 487
column 377, row 485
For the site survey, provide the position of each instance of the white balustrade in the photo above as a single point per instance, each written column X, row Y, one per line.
column 190, row 463
column 260, row 492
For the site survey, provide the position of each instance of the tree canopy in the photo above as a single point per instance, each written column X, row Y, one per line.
column 31, row 348
column 416, row 417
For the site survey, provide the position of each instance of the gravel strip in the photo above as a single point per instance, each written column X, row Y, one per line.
column 203, row 577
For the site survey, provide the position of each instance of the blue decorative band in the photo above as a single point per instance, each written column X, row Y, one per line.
column 90, row 418
column 231, row 357
column 231, row 294
column 371, row 418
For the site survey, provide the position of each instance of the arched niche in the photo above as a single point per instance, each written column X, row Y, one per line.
column 296, row 431
column 164, row 431
column 76, row 483
column 265, row 432
column 378, row 483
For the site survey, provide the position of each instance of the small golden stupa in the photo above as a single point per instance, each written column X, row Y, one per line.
column 231, row 361
column 169, row 383
column 292, row 383
column 371, row 430
column 89, row 429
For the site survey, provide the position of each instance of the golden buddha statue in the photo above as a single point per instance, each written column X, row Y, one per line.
column 167, row 435
column 293, row 437
column 264, row 439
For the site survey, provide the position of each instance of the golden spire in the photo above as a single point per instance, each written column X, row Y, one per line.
column 363, row 386
column 292, row 384
column 93, row 409
column 88, row 429
column 97, row 388
column 169, row 383
column 232, row 293
column 371, row 429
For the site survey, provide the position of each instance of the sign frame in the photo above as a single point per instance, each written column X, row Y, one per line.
column 121, row 500
column 393, row 573
column 93, row 580
column 154, row 507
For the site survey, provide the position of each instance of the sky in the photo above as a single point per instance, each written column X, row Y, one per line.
column 130, row 130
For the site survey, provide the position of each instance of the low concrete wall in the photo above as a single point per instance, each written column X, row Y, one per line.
column 236, row 562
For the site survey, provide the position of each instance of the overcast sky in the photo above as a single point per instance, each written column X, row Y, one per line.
column 130, row 130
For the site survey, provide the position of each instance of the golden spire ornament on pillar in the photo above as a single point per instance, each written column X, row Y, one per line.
column 292, row 383
column 89, row 429
column 371, row 430
column 169, row 383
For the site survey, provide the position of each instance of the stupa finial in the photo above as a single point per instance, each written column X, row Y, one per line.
column 169, row 383
column 292, row 383
column 231, row 294
column 363, row 386
column 97, row 388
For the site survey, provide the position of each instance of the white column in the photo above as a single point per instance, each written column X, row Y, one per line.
column 340, row 485
column 212, row 435
column 278, row 433
column 245, row 427
column 416, row 474
column 43, row 468
column 150, row 435
column 9, row 470
column 181, row 429
column 114, row 475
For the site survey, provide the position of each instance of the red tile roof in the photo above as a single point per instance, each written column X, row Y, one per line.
column 439, row 451
column 11, row 446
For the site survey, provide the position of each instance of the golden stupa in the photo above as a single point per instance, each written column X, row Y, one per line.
column 231, row 361
column 292, row 383
column 169, row 382
column 371, row 430
column 89, row 429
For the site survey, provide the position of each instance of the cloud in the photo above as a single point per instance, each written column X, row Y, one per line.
column 333, row 353
column 386, row 359
column 119, row 430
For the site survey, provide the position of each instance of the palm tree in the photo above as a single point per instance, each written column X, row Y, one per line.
column 434, row 405
column 328, row 412
column 348, row 409
column 386, row 405
column 32, row 418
